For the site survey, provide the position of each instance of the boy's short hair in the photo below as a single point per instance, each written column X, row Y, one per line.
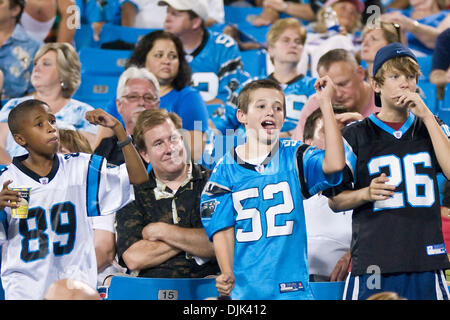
column 244, row 96
column 149, row 119
column 280, row 26
column 310, row 123
column 18, row 113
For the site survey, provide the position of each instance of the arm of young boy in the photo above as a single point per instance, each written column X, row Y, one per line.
column 439, row 139
column 334, row 160
column 224, row 247
column 135, row 167
column 378, row 190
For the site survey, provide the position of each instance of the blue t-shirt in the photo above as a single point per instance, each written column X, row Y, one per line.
column 264, row 204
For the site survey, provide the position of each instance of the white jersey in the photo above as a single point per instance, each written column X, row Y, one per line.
column 56, row 240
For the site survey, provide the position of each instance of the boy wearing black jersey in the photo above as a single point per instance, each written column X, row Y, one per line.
column 390, row 182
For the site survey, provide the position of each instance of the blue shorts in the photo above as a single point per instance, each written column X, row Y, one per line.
column 429, row 285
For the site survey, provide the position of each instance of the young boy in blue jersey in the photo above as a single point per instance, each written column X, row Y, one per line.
column 252, row 206
column 390, row 183
column 54, row 240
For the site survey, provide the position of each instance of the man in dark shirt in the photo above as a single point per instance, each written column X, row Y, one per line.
column 160, row 234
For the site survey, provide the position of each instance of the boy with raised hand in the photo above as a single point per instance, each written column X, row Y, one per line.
column 390, row 182
column 53, row 240
column 252, row 205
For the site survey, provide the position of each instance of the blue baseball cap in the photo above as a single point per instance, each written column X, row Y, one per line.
column 386, row 53
column 390, row 51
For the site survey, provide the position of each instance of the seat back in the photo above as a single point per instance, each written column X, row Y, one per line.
column 132, row 288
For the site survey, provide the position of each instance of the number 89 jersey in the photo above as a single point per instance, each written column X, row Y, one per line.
column 402, row 233
column 264, row 204
column 55, row 241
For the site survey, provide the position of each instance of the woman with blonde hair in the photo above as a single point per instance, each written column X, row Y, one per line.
column 56, row 76
column 375, row 36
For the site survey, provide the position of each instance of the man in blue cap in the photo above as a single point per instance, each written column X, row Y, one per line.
column 393, row 158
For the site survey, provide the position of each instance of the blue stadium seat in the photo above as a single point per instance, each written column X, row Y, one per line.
column 111, row 32
column 254, row 62
column 429, row 95
column 96, row 88
column 239, row 14
column 84, row 37
column 327, row 290
column 97, row 61
column 131, row 288
column 425, row 64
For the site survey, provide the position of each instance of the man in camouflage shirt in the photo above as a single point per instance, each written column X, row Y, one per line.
column 160, row 235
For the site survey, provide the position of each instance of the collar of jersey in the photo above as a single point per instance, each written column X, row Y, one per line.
column 17, row 161
column 388, row 129
column 293, row 80
column 202, row 44
column 253, row 167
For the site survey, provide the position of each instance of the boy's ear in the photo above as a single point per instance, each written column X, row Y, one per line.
column 19, row 139
column 241, row 116
column 375, row 85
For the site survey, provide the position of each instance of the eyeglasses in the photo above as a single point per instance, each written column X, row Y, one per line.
column 148, row 98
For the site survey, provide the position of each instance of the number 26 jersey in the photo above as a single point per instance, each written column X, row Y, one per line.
column 402, row 233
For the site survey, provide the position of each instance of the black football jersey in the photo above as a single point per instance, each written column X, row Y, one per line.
column 404, row 232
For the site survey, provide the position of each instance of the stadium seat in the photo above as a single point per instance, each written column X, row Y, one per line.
column 425, row 64
column 239, row 14
column 429, row 92
column 254, row 62
column 131, row 288
column 327, row 290
column 84, row 37
column 111, row 32
column 96, row 88
column 106, row 62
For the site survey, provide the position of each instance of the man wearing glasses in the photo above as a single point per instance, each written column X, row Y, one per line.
column 137, row 90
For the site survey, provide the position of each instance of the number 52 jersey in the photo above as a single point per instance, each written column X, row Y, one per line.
column 402, row 233
column 264, row 204
column 55, row 241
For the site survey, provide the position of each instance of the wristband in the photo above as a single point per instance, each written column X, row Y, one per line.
column 125, row 142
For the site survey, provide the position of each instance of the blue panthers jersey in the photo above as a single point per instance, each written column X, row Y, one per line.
column 264, row 204
column 297, row 91
column 216, row 66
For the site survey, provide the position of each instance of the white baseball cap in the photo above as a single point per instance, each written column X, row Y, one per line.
column 200, row 7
